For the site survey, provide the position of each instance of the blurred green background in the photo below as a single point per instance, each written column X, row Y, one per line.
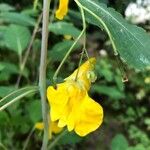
column 126, row 105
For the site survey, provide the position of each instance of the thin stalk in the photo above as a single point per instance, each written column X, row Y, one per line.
column 42, row 73
column 102, row 22
column 71, row 48
column 3, row 147
column 80, row 61
column 53, row 11
column 23, row 63
column 52, row 145
column 28, row 139
column 66, row 56
column 84, row 43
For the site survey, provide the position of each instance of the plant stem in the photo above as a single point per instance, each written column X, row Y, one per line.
column 28, row 139
column 29, row 49
column 66, row 56
column 80, row 61
column 84, row 43
column 71, row 48
column 42, row 73
column 102, row 22
column 3, row 147
column 57, row 139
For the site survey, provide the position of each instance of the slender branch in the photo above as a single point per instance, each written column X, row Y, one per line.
column 28, row 139
column 42, row 73
column 52, row 145
column 3, row 147
column 103, row 23
column 71, row 48
column 29, row 49
column 80, row 61
column 84, row 43
column 53, row 11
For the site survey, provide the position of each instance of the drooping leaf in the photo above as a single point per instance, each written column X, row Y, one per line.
column 130, row 41
column 17, row 38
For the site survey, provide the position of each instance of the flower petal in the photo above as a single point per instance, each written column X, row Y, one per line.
column 63, row 9
column 39, row 125
column 75, row 95
column 91, row 116
column 84, row 69
column 57, row 98
column 54, row 127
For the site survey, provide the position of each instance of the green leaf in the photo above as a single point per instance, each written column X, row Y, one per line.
column 8, row 68
column 35, row 115
column 64, row 28
column 17, row 18
column 119, row 142
column 103, row 68
column 110, row 91
column 4, row 119
column 119, row 82
column 1, row 67
column 138, row 147
column 2, row 33
column 59, row 50
column 16, row 95
column 6, row 7
column 130, row 41
column 4, row 90
column 69, row 138
column 17, row 38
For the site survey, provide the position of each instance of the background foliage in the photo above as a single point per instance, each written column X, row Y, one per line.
column 126, row 105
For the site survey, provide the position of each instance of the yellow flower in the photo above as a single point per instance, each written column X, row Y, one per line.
column 63, row 9
column 67, row 37
column 70, row 104
column 53, row 128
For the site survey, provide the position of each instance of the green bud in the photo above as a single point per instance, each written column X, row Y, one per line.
column 91, row 76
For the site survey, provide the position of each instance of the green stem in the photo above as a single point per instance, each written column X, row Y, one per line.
column 102, row 22
column 66, row 56
column 3, row 147
column 28, row 139
column 23, row 63
column 71, row 48
column 42, row 73
column 56, row 140
column 84, row 44
column 80, row 61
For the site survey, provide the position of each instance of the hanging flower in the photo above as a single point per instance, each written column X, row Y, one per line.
column 71, row 105
column 63, row 9
column 53, row 128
